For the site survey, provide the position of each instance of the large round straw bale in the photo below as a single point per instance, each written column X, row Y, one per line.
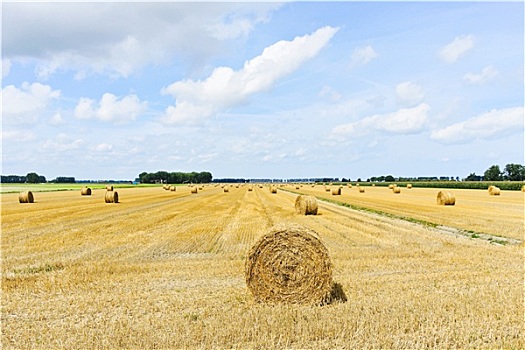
column 194, row 189
column 445, row 198
column 109, row 187
column 173, row 188
column 336, row 191
column 396, row 189
column 273, row 189
column 361, row 190
column 391, row 186
column 226, row 189
column 250, row 188
column 349, row 185
column 26, row 197
column 290, row 265
column 85, row 191
column 409, row 186
column 494, row 191
column 111, row 197
column 306, row 205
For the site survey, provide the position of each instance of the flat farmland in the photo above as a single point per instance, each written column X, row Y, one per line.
column 165, row 269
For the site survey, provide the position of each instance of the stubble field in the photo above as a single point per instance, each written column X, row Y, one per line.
column 165, row 269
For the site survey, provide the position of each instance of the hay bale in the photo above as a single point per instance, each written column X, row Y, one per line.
column 273, row 189
column 289, row 265
column 250, row 188
column 111, row 197
column 409, row 186
column 361, row 189
column 391, row 186
column 336, row 191
column 194, row 189
column 494, row 191
column 523, row 188
column 297, row 187
column 306, row 205
column 349, row 185
column 445, row 198
column 109, row 188
column 26, row 197
column 327, row 189
column 173, row 188
column 226, row 189
column 85, row 191
column 396, row 190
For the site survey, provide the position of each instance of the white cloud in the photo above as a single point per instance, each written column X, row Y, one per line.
column 453, row 51
column 62, row 143
column 102, row 147
column 119, row 45
column 56, row 119
column 490, row 125
column 405, row 121
column 409, row 93
column 110, row 108
column 17, row 135
column 226, row 88
column 330, row 93
column 24, row 104
column 488, row 73
column 362, row 56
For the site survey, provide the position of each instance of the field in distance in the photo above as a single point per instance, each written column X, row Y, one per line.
column 165, row 269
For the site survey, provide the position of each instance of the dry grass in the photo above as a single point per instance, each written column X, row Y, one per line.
column 166, row 270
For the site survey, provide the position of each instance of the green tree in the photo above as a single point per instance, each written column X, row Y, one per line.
column 493, row 174
column 389, row 178
column 514, row 172
column 32, row 178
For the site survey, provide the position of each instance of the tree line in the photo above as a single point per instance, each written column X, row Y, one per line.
column 175, row 177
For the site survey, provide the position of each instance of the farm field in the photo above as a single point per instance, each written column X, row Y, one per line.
column 165, row 269
column 475, row 210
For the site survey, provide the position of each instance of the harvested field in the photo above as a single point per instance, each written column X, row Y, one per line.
column 166, row 270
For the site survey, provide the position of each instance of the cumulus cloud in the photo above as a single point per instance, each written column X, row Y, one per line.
column 24, row 104
column 110, row 108
column 404, row 121
column 453, row 51
column 487, row 74
column 409, row 93
column 362, row 56
column 226, row 88
column 62, row 143
column 91, row 38
column 494, row 124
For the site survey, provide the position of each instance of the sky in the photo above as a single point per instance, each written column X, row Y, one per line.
column 99, row 90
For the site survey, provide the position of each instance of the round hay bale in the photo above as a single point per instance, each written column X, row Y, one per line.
column 306, row 205
column 194, row 189
column 250, row 188
column 85, row 191
column 445, row 198
column 297, row 187
column 349, row 185
column 226, row 189
column 396, row 190
column 523, row 188
column 111, row 197
column 361, row 190
column 26, row 197
column 273, row 189
column 494, row 191
column 391, row 186
column 109, row 187
column 327, row 189
column 336, row 191
column 173, row 188
column 409, row 186
column 289, row 265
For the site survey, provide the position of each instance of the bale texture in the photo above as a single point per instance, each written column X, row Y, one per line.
column 111, row 197
column 445, row 198
column 336, row 191
column 109, row 187
column 26, row 197
column 85, row 191
column 289, row 265
column 306, row 205
column 494, row 191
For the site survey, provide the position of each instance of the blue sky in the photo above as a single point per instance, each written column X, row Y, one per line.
column 262, row 90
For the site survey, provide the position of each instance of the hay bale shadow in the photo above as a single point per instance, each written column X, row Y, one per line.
column 337, row 294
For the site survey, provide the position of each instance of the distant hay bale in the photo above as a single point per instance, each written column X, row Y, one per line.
column 111, row 197
column 391, row 186
column 85, row 191
column 250, row 188
column 494, row 191
column 523, row 188
column 226, row 189
column 297, row 187
column 109, row 187
column 336, row 191
column 396, row 190
column 26, row 197
column 361, row 190
column 306, row 205
column 289, row 265
column 445, row 198
column 409, row 186
column 173, row 188
column 349, row 185
column 327, row 189
column 194, row 189
column 273, row 189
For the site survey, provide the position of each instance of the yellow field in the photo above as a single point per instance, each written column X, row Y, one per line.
column 165, row 269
